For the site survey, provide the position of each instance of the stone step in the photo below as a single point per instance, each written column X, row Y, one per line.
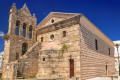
column 19, row 77
column 38, row 79
column 43, row 79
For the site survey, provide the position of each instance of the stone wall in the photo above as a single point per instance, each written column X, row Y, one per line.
column 57, row 16
column 55, row 20
column 93, row 62
column 28, row 64
column 52, row 65
column 13, row 42
column 72, row 37
column 72, row 40
column 56, row 64
column 15, row 47
column 25, row 66
column 10, row 71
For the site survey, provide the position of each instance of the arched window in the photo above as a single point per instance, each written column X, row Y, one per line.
column 52, row 37
column 17, row 27
column 24, row 30
column 24, row 48
column 30, row 32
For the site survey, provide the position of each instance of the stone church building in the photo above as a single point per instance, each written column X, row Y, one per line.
column 63, row 45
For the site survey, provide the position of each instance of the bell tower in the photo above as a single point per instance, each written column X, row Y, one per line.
column 12, row 14
column 21, row 33
column 20, row 37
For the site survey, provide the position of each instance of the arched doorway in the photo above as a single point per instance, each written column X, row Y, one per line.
column 24, row 48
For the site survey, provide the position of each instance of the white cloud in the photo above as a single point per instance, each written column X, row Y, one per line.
column 1, row 53
column 1, row 33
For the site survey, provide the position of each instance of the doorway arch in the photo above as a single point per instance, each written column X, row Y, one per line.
column 24, row 48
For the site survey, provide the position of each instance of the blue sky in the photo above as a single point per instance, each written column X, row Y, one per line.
column 105, row 14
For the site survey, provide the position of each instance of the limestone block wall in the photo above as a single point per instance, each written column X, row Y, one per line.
column 10, row 71
column 17, row 19
column 52, row 66
column 25, row 66
column 6, row 50
column 13, row 49
column 72, row 37
column 72, row 40
column 93, row 62
column 28, row 64
column 56, row 64
column 16, row 47
column 10, row 55
column 55, row 20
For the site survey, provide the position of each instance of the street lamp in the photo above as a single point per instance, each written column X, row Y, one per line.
column 117, row 46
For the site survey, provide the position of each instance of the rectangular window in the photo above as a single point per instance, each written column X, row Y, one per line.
column 36, row 37
column 64, row 33
column 96, row 44
column 43, row 59
column 41, row 39
column 109, row 50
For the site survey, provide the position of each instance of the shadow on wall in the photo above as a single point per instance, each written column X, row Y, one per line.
column 89, row 40
column 95, row 61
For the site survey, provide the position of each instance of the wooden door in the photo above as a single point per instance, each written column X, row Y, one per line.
column 71, row 68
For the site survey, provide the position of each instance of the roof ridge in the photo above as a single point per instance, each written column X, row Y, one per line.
column 65, row 13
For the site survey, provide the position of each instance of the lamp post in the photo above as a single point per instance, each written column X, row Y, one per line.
column 117, row 46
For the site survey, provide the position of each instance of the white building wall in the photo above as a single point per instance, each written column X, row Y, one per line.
column 116, row 55
column 1, row 59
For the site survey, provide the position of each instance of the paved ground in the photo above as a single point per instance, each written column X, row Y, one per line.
column 103, row 78
column 42, row 79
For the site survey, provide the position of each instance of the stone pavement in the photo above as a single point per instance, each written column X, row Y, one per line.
column 42, row 79
column 103, row 78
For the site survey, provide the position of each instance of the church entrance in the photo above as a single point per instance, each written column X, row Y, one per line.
column 71, row 67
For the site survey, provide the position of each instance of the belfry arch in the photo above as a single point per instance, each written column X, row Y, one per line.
column 17, row 27
column 24, row 29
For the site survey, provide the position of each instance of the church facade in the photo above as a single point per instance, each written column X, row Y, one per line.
column 63, row 45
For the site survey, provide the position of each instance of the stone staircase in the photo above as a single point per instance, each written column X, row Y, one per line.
column 25, row 58
column 29, row 50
